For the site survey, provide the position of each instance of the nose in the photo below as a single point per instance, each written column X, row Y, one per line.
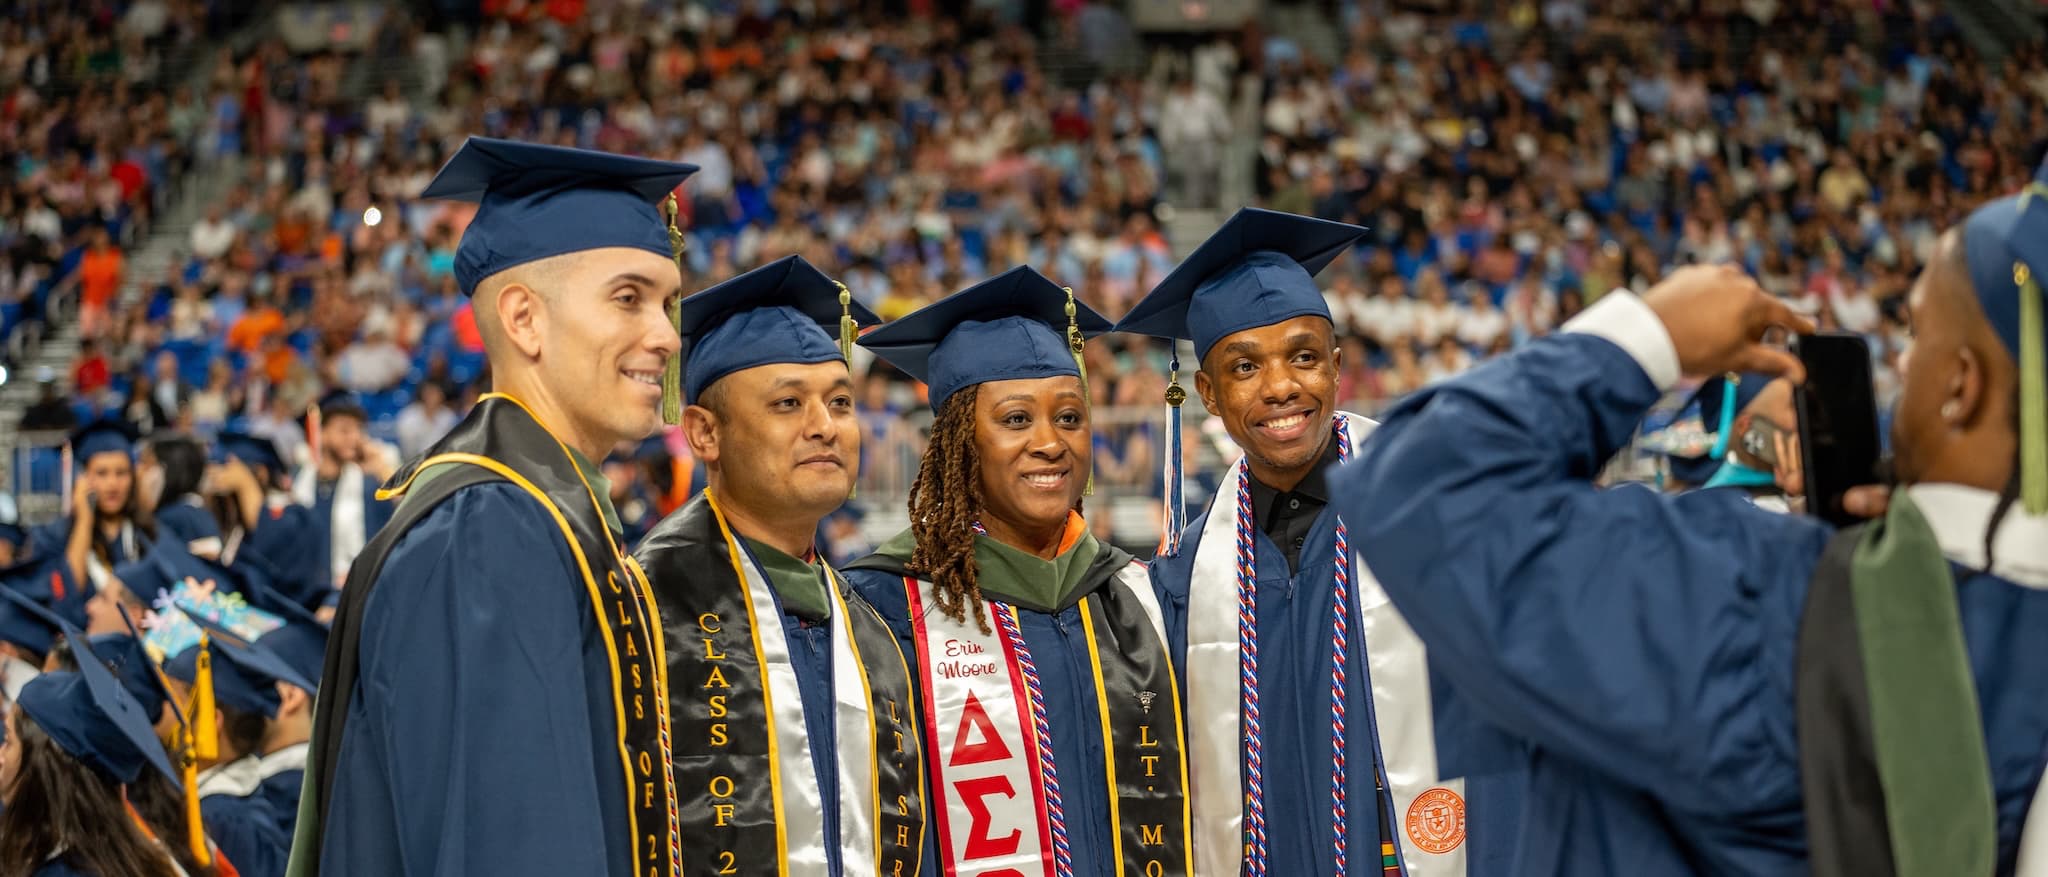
column 1278, row 386
column 819, row 424
column 1046, row 442
column 661, row 336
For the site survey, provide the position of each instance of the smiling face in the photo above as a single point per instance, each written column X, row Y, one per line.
column 1033, row 443
column 601, row 336
column 783, row 440
column 1275, row 388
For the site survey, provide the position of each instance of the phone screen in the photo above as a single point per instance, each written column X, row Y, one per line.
column 1837, row 422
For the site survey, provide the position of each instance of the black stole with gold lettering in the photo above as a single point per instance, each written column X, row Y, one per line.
column 500, row 440
column 718, row 695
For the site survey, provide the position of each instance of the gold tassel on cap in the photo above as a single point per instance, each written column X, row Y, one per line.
column 205, row 731
column 1075, row 344
column 672, row 374
column 188, row 773
column 2033, row 395
column 848, row 331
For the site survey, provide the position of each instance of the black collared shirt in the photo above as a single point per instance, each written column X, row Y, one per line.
column 1287, row 517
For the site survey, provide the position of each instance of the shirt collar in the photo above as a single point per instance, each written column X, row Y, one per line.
column 1958, row 515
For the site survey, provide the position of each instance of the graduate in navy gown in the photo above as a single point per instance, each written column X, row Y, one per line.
column 263, row 524
column 1700, row 686
column 162, row 803
column 71, row 744
column 786, row 685
column 494, row 699
column 1053, row 719
column 170, row 472
column 340, row 486
column 102, row 527
column 1329, row 786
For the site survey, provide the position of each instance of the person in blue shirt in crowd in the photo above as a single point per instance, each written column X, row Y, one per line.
column 786, row 684
column 1036, row 652
column 495, row 695
column 1311, row 700
column 1696, row 686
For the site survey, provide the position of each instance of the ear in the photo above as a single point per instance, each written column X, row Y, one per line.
column 1206, row 388
column 1966, row 404
column 522, row 313
column 1336, row 355
column 700, row 427
column 291, row 699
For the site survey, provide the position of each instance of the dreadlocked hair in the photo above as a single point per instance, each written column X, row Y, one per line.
column 945, row 504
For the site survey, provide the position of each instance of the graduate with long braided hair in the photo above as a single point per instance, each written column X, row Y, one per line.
column 1051, row 714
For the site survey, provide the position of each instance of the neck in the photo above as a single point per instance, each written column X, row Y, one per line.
column 789, row 534
column 285, row 732
column 554, row 416
column 1042, row 542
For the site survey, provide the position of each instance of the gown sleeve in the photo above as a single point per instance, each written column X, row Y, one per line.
column 247, row 833
column 1645, row 636
column 475, row 694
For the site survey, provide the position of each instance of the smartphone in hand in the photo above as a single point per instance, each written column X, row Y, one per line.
column 1837, row 422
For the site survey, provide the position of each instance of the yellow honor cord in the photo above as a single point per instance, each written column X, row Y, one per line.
column 1075, row 344
column 188, row 774
column 672, row 373
column 2033, row 395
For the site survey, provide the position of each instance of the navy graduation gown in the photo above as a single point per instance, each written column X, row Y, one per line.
column 186, row 521
column 480, row 735
column 247, row 833
column 1059, row 649
column 285, row 537
column 1641, row 646
column 1294, row 618
column 280, row 792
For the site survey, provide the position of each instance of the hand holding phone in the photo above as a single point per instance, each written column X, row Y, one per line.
column 1837, row 422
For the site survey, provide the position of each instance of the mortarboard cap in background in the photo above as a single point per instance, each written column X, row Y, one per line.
column 786, row 311
column 93, row 718
column 245, row 679
column 101, row 437
column 254, row 450
column 28, row 624
column 342, row 403
column 535, row 202
column 1011, row 326
column 129, row 662
column 1257, row 270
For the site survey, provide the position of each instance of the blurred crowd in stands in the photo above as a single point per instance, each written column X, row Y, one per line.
column 1512, row 167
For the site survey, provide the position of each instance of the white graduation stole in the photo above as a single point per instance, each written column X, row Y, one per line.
column 798, row 800
column 346, row 530
column 1428, row 815
column 989, row 800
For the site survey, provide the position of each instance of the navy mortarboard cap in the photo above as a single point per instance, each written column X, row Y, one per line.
column 147, row 577
column 101, row 437
column 2006, row 245
column 245, row 680
column 126, row 658
column 254, row 450
column 786, row 311
column 535, row 202
column 342, row 403
column 1014, row 325
column 26, row 623
column 1257, row 270
column 91, row 716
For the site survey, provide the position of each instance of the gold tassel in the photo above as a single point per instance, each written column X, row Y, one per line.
column 672, row 374
column 188, row 771
column 2033, row 395
column 848, row 331
column 1075, row 344
column 205, row 731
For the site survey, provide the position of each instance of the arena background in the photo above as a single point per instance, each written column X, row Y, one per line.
column 208, row 213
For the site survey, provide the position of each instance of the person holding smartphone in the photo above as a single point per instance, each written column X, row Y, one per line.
column 1692, row 685
column 1756, row 441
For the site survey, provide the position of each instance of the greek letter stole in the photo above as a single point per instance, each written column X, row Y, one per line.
column 749, row 797
column 985, row 722
column 501, row 441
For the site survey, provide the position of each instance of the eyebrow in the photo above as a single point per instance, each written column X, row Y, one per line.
column 636, row 279
column 1301, row 339
column 840, row 383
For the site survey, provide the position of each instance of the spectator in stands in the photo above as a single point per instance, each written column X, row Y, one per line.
column 51, row 411
column 91, row 374
column 99, row 278
column 425, row 421
column 213, row 234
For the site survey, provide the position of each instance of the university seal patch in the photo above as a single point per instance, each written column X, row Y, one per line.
column 1436, row 821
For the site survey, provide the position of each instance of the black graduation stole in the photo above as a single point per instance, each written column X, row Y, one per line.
column 501, row 441
column 726, row 768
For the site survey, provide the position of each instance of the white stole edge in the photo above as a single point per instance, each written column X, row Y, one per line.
column 797, row 796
